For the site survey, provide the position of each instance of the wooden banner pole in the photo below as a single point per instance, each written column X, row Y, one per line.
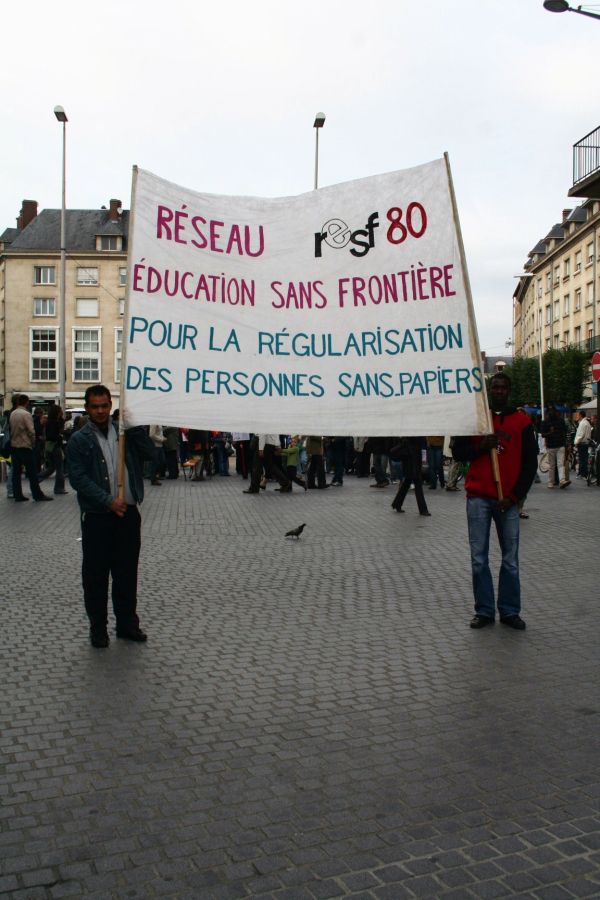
column 122, row 400
column 473, row 336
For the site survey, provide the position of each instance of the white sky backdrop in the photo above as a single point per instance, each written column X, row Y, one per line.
column 221, row 97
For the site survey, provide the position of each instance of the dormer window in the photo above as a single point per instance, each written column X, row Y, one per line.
column 109, row 242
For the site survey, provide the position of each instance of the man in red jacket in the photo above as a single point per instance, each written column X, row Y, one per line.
column 514, row 439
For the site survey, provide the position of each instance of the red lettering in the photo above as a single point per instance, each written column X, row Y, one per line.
column 447, row 280
column 394, row 215
column 358, row 286
column 234, row 238
column 247, row 241
column 279, row 294
column 214, row 236
column 164, row 215
column 199, row 233
column 179, row 227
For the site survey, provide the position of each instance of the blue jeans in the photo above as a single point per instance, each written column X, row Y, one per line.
column 435, row 458
column 480, row 513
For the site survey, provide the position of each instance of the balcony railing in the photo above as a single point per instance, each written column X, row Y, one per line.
column 586, row 156
column 590, row 345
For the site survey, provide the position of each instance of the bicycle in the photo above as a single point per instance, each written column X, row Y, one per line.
column 592, row 477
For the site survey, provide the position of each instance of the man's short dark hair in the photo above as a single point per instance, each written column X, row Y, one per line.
column 22, row 400
column 501, row 375
column 96, row 390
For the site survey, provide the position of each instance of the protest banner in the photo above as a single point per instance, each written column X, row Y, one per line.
column 345, row 310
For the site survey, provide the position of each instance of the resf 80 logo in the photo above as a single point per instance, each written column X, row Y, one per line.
column 337, row 235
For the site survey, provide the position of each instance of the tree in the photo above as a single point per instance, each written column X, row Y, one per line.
column 565, row 375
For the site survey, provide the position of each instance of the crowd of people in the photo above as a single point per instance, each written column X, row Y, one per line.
column 50, row 443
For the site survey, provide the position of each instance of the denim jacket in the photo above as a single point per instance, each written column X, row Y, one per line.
column 88, row 472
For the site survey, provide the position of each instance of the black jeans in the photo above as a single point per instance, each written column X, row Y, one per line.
column 316, row 467
column 111, row 546
column 172, row 463
column 403, row 491
column 55, row 465
column 23, row 456
column 158, row 464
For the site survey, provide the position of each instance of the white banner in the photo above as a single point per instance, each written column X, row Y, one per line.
column 341, row 311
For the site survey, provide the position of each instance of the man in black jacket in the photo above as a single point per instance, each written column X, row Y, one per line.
column 554, row 430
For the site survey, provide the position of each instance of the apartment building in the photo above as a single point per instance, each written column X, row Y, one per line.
column 557, row 301
column 96, row 260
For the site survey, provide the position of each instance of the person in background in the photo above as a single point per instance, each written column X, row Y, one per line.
column 316, row 465
column 222, row 441
column 243, row 455
column 338, row 458
column 554, row 431
column 269, row 452
column 22, row 440
column 379, row 447
column 158, row 439
column 582, row 442
column 412, row 466
column 435, row 458
column 289, row 456
column 362, row 455
column 6, row 445
column 171, row 435
column 54, row 449
column 39, row 421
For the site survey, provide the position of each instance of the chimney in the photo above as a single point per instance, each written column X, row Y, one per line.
column 115, row 206
column 29, row 210
column 566, row 212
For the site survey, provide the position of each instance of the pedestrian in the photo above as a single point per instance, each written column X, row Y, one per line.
column 362, row 455
column 269, row 450
column 171, row 436
column 39, row 422
column 22, row 441
column 243, row 456
column 290, row 459
column 582, row 442
column 316, row 463
column 554, row 431
column 54, row 449
column 379, row 447
column 338, row 459
column 222, row 441
column 110, row 526
column 435, row 459
column 412, row 464
column 514, row 440
column 158, row 439
column 6, row 445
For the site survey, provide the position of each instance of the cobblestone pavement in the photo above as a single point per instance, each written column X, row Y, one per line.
column 309, row 719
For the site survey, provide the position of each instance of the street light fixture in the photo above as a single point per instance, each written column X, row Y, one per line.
column 560, row 6
column 62, row 355
column 319, row 122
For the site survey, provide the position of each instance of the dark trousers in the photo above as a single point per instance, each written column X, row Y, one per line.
column 159, row 463
column 316, row 467
column 583, row 451
column 292, row 474
column 111, row 546
column 272, row 470
column 403, row 491
column 172, row 466
column 338, row 456
column 435, row 458
column 243, row 458
column 55, row 464
column 361, row 463
column 23, row 456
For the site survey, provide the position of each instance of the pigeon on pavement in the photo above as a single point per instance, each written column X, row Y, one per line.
column 296, row 532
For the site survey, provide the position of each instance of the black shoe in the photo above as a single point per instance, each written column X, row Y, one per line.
column 99, row 639
column 480, row 621
column 43, row 497
column 132, row 634
column 426, row 513
column 60, row 492
column 21, row 499
column 324, row 487
column 514, row 622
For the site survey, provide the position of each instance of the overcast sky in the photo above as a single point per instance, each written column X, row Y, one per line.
column 221, row 97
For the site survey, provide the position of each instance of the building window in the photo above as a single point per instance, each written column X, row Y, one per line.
column 44, row 354
column 590, row 330
column 109, row 242
column 590, row 253
column 578, row 334
column 556, row 339
column 577, row 299
column 44, row 306
column 121, row 307
column 44, row 274
column 87, row 276
column 566, row 338
column 589, row 293
column 556, row 274
column 548, row 315
column 118, row 353
column 122, row 276
column 86, row 354
column 539, row 284
column 87, row 308
column 548, row 344
column 556, row 309
column 548, row 280
column 566, row 304
column 567, row 267
column 578, row 261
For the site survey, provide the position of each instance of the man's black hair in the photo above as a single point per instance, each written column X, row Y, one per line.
column 22, row 400
column 96, row 390
column 497, row 375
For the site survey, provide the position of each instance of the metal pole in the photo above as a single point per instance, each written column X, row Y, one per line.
column 541, row 364
column 62, row 357
column 316, row 158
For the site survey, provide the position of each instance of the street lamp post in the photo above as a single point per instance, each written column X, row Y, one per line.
column 62, row 356
column 560, row 6
column 319, row 122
